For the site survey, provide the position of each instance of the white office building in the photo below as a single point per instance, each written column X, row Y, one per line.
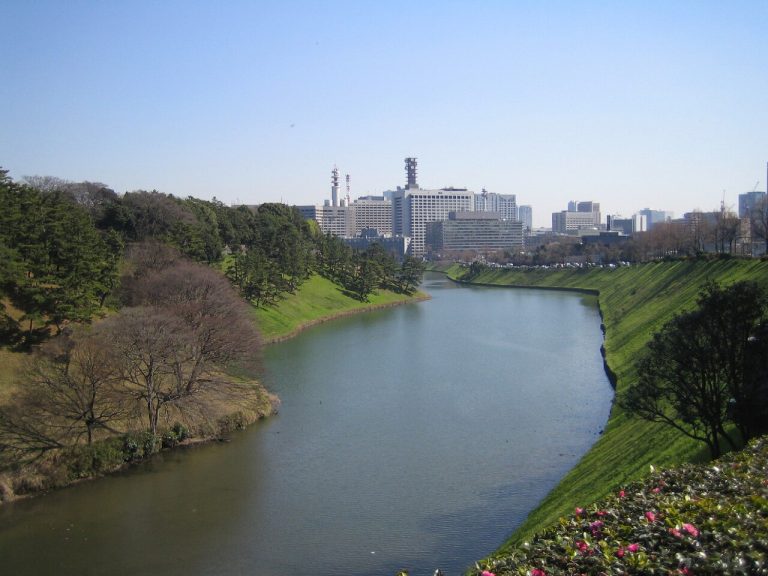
column 503, row 204
column 414, row 208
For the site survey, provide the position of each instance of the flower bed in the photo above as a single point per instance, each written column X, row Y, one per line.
column 706, row 519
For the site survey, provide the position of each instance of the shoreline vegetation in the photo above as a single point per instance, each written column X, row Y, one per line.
column 316, row 301
column 634, row 302
column 127, row 322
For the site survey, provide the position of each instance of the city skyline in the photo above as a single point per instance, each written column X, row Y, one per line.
column 643, row 105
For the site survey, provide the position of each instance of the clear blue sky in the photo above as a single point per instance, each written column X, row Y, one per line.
column 632, row 104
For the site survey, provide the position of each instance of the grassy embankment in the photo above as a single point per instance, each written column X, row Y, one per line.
column 634, row 302
column 318, row 300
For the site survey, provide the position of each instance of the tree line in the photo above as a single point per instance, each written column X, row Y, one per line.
column 61, row 244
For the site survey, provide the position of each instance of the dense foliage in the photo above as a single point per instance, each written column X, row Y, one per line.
column 705, row 519
column 55, row 266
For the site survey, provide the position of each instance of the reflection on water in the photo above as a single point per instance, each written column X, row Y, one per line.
column 413, row 437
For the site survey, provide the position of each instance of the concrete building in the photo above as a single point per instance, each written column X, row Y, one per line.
column 337, row 220
column 416, row 208
column 525, row 215
column 372, row 212
column 413, row 208
column 479, row 232
column 653, row 217
column 503, row 204
column 749, row 201
column 579, row 216
column 628, row 226
column 567, row 222
column 395, row 245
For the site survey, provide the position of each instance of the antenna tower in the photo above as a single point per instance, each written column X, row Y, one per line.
column 410, row 171
column 335, row 186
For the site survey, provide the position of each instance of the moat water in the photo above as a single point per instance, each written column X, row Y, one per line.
column 416, row 437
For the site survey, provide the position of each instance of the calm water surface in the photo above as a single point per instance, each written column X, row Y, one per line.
column 416, row 437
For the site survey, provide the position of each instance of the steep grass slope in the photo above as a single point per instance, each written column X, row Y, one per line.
column 317, row 300
column 635, row 302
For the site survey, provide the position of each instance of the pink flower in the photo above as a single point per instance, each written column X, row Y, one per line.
column 633, row 547
column 601, row 512
column 582, row 546
column 691, row 529
column 622, row 493
column 579, row 511
column 650, row 516
column 538, row 572
column 656, row 490
column 620, row 553
column 487, row 573
column 675, row 532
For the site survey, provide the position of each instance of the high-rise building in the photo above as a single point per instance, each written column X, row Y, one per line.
column 749, row 201
column 653, row 217
column 566, row 222
column 504, row 204
column 372, row 212
column 415, row 208
column 585, row 215
column 525, row 215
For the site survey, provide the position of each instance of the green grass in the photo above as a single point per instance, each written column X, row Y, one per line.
column 634, row 302
column 317, row 300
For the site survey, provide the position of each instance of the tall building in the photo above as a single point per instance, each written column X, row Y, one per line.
column 585, row 215
column 567, row 222
column 628, row 226
column 749, row 201
column 504, row 204
column 372, row 212
column 653, row 217
column 525, row 215
column 413, row 209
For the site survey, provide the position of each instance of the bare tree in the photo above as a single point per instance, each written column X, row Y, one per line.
column 68, row 393
column 175, row 347
column 726, row 230
column 759, row 220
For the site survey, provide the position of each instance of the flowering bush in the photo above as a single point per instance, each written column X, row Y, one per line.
column 709, row 519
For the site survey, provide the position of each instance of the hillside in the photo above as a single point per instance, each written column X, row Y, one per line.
column 634, row 302
column 318, row 300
